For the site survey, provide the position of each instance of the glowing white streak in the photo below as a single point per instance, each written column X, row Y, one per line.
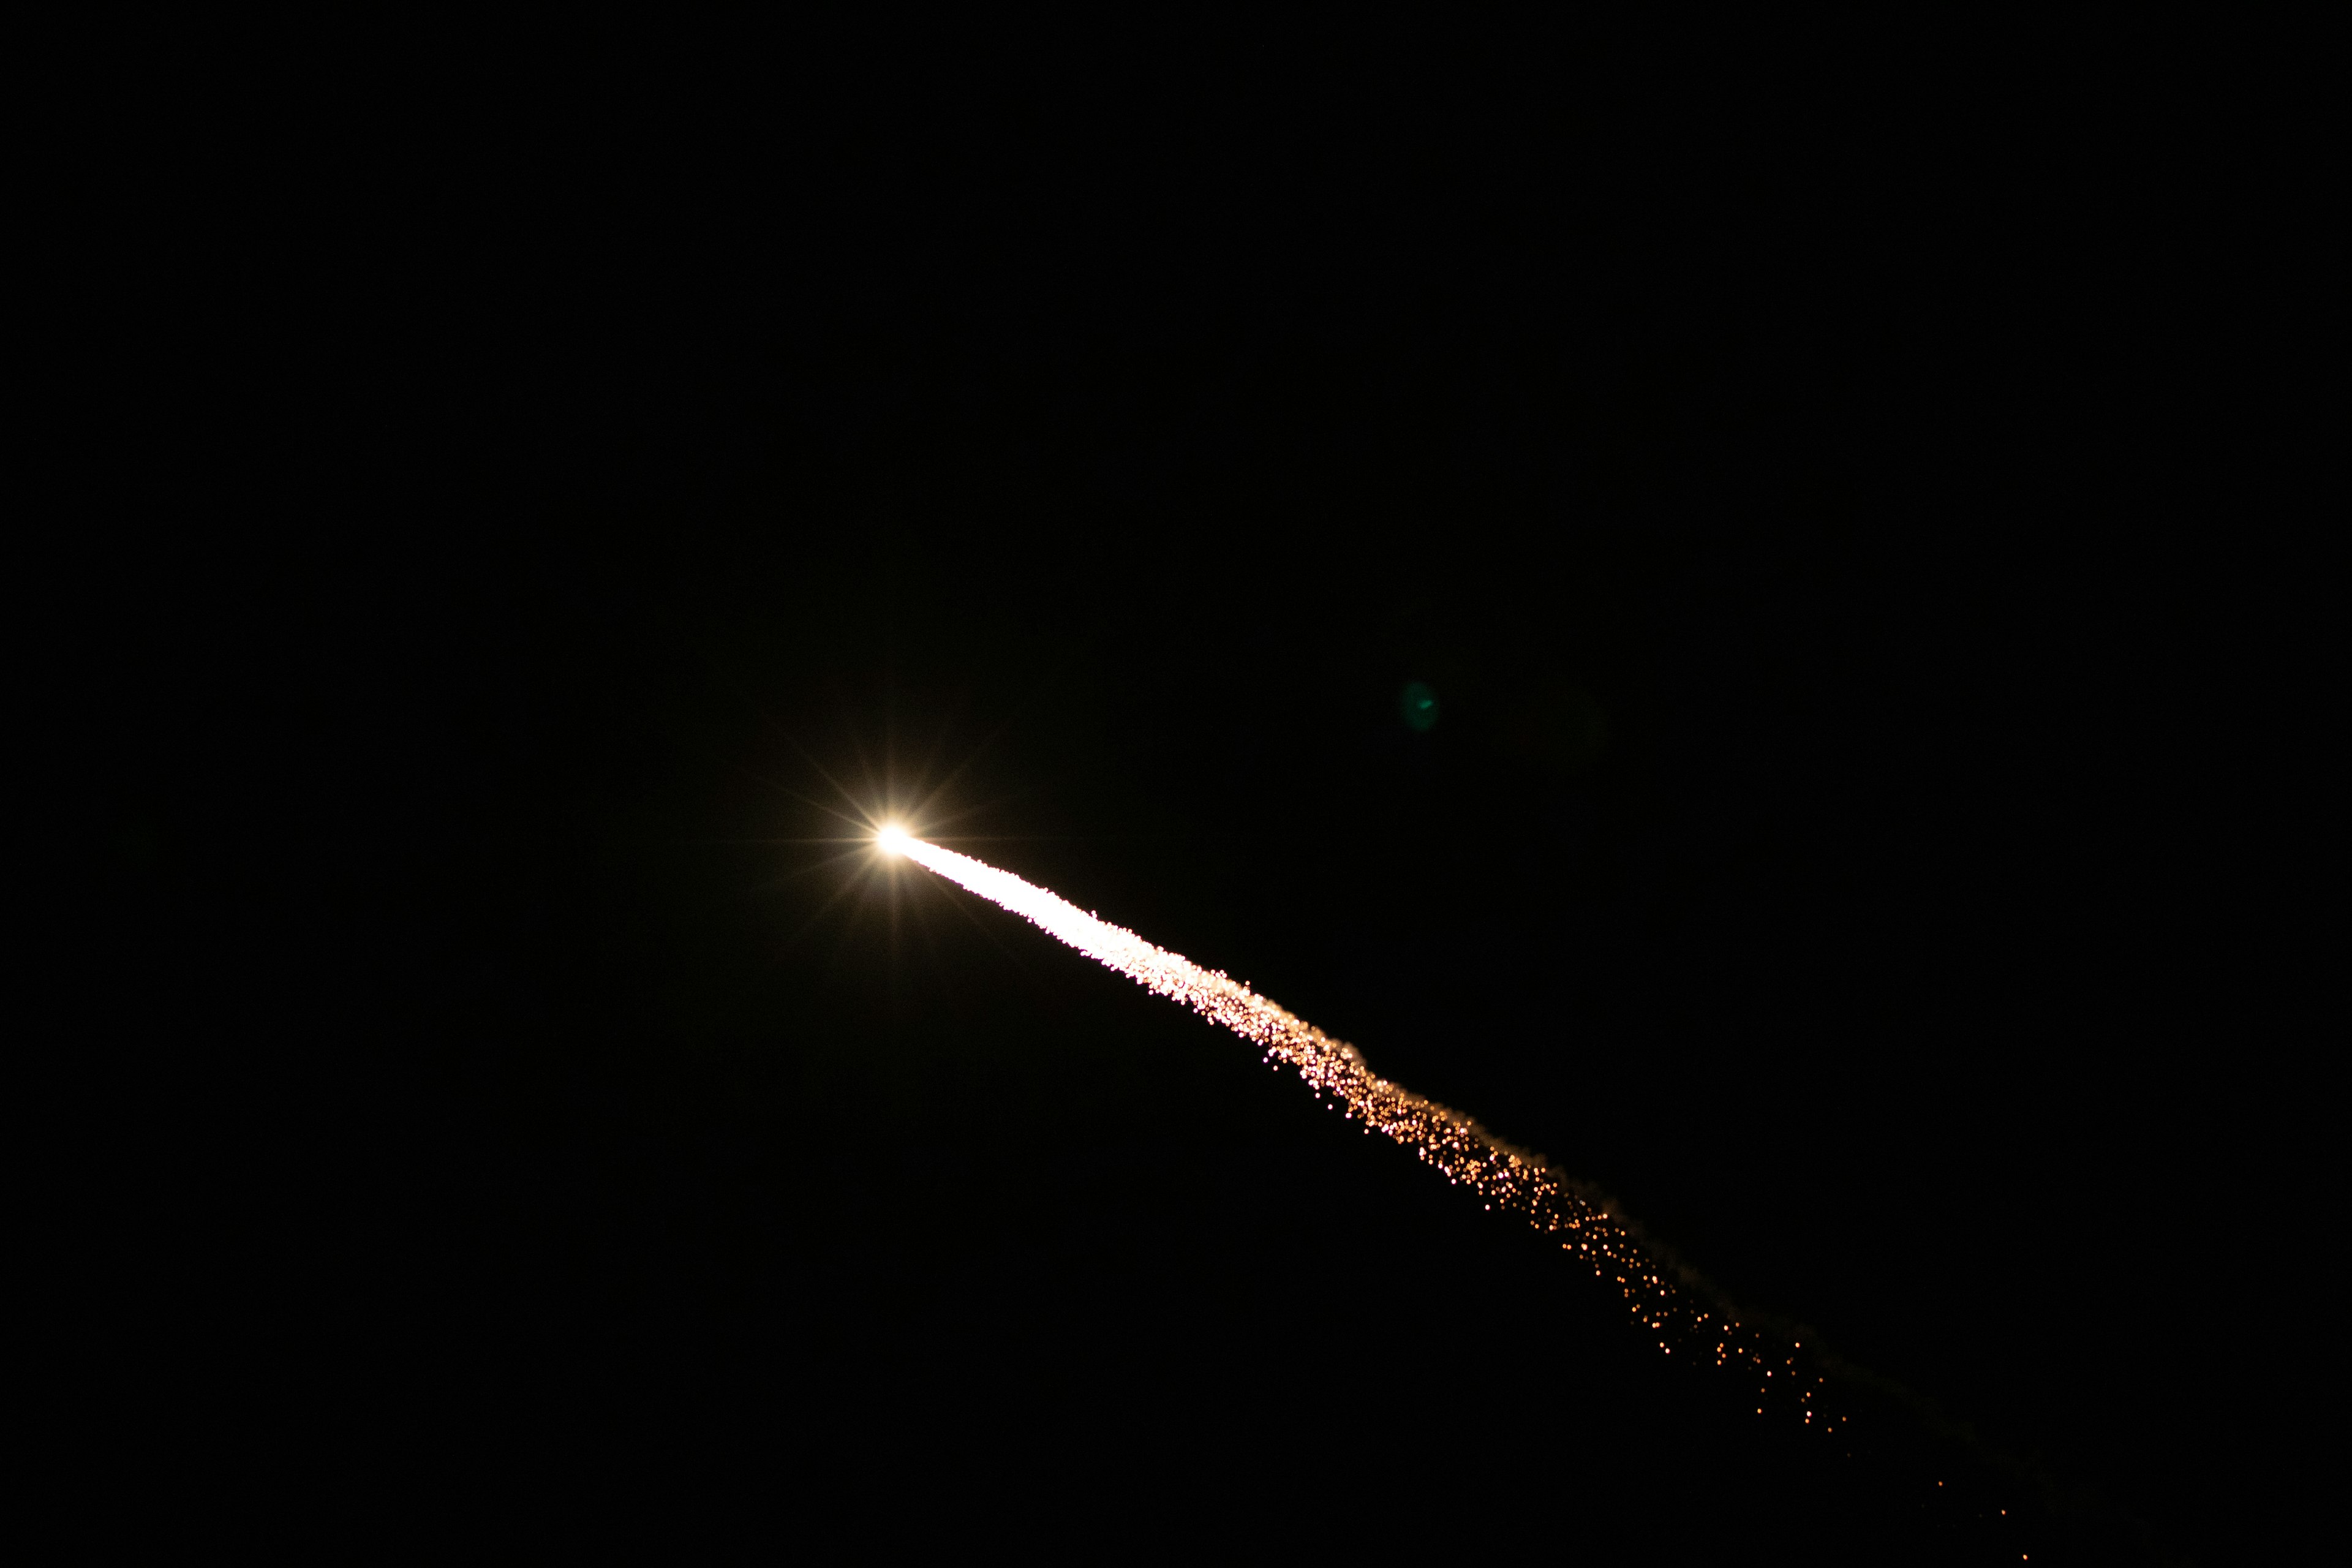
column 1325, row 1061
column 1466, row 1152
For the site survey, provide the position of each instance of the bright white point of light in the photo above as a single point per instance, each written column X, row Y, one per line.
column 891, row 840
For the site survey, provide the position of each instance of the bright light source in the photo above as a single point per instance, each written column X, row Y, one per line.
column 891, row 840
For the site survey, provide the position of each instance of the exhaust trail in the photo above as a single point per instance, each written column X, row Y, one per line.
column 1466, row 1154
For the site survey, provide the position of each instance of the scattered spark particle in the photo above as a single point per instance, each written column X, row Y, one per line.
column 1466, row 1152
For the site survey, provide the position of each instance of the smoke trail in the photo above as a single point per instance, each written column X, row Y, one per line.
column 1468, row 1155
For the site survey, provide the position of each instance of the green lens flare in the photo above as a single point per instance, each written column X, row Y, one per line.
column 1419, row 704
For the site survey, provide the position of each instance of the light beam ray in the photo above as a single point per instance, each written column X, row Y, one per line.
column 1465, row 1153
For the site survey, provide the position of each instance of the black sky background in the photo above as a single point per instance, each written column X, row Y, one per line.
column 566, row 462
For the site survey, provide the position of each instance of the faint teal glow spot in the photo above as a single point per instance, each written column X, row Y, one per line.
column 1419, row 706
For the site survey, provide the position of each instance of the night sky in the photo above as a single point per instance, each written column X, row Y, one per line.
column 596, row 479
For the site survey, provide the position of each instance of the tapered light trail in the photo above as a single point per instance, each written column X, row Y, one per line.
column 1468, row 1155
